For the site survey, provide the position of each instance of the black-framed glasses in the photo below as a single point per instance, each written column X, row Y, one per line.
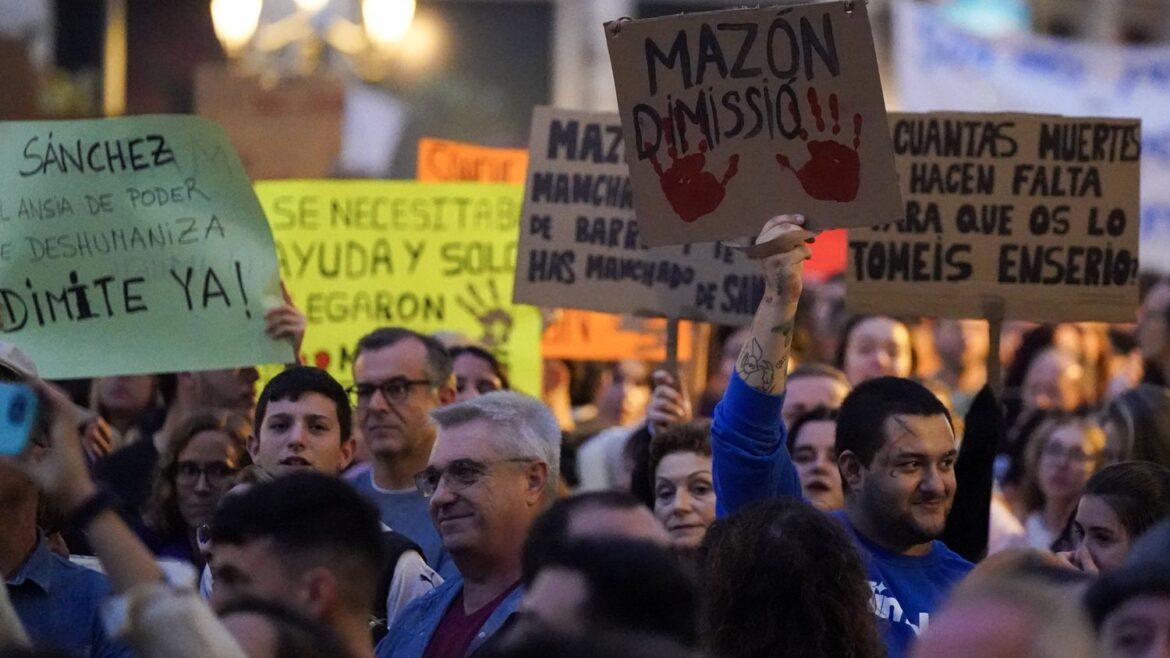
column 460, row 474
column 217, row 473
column 394, row 390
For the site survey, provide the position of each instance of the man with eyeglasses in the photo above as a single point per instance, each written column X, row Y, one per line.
column 399, row 377
column 494, row 469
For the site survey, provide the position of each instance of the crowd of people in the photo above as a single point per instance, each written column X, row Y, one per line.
column 844, row 486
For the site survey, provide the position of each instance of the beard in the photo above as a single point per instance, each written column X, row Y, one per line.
column 906, row 522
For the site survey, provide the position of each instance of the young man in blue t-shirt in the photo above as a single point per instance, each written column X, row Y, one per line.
column 896, row 452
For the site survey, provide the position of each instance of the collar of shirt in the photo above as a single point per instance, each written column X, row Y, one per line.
column 38, row 568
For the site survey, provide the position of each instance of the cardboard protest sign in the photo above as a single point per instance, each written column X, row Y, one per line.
column 580, row 246
column 442, row 161
column 577, row 335
column 1039, row 211
column 358, row 255
column 731, row 117
column 132, row 246
column 589, row 336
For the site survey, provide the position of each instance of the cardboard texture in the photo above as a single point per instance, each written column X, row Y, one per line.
column 1040, row 211
column 131, row 246
column 732, row 117
column 579, row 243
column 358, row 255
column 291, row 131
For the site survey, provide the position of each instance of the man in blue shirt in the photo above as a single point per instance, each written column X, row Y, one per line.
column 56, row 600
column 896, row 452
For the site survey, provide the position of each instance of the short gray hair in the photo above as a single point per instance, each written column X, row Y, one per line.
column 526, row 427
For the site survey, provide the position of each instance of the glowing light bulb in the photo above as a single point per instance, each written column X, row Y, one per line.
column 387, row 21
column 311, row 6
column 235, row 21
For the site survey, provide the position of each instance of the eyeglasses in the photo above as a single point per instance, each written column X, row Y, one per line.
column 393, row 390
column 460, row 474
column 1055, row 451
column 217, row 473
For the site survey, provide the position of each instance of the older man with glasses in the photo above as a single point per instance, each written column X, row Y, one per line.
column 399, row 377
column 493, row 470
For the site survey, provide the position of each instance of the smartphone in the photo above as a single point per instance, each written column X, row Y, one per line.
column 18, row 412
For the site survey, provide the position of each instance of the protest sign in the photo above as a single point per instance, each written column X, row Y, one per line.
column 731, row 117
column 580, row 246
column 943, row 67
column 442, row 161
column 575, row 335
column 1038, row 211
column 359, row 255
column 589, row 336
column 132, row 246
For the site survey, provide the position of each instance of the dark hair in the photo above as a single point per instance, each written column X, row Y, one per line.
column 290, row 384
column 862, row 418
column 437, row 364
column 847, row 333
column 1146, row 572
column 815, row 369
column 549, row 534
column 1142, row 416
column 297, row 635
column 487, row 357
column 784, row 579
column 820, row 413
column 1138, row 492
column 162, row 510
column 633, row 585
column 693, row 436
column 312, row 520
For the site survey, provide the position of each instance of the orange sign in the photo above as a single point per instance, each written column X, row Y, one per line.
column 585, row 335
column 441, row 161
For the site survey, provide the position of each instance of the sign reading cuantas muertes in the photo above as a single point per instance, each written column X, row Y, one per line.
column 731, row 117
column 1039, row 212
column 132, row 245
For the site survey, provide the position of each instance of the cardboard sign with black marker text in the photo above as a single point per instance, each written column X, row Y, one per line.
column 731, row 117
column 580, row 246
column 1040, row 211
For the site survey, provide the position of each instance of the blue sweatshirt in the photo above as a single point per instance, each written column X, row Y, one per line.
column 751, row 462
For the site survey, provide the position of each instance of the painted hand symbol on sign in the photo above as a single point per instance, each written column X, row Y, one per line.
column 495, row 320
column 691, row 191
column 833, row 170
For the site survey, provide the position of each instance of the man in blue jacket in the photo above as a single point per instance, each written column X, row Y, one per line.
column 896, row 451
column 493, row 470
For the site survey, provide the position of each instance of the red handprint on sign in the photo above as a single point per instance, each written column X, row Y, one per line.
column 691, row 191
column 833, row 170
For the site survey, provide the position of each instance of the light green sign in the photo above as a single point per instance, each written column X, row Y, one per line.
column 132, row 245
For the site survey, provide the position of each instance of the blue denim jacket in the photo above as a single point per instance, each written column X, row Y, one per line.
column 412, row 630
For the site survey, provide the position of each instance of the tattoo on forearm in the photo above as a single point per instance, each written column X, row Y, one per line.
column 752, row 364
column 785, row 329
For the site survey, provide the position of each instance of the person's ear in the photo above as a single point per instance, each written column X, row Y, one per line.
column 536, row 482
column 252, row 444
column 852, row 471
column 446, row 393
column 320, row 593
column 348, row 448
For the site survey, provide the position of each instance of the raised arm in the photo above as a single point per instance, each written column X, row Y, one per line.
column 750, row 458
